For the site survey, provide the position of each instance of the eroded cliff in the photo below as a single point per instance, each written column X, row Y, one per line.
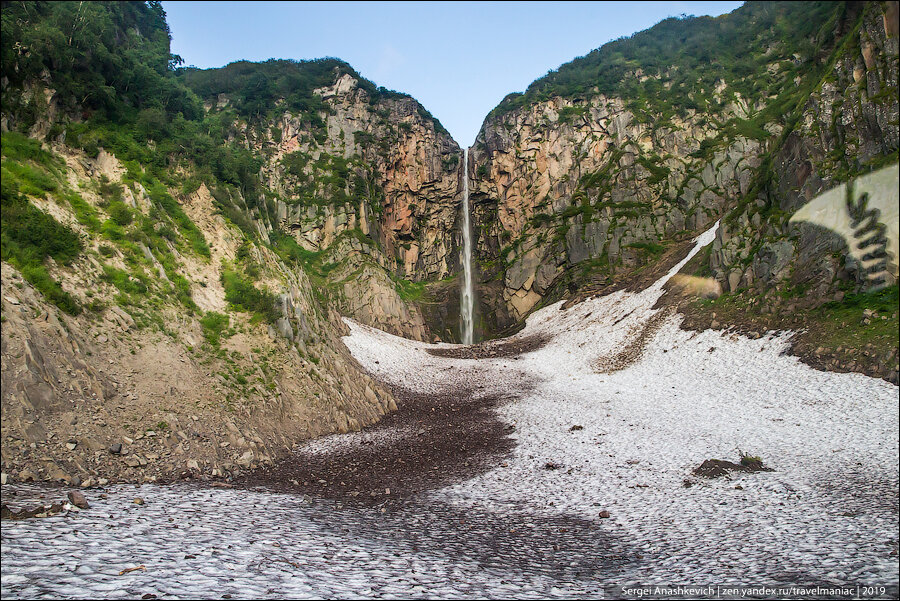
column 605, row 163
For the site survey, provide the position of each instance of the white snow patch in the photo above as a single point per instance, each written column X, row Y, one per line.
column 827, row 513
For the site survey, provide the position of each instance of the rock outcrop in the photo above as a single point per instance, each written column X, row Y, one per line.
column 139, row 388
column 569, row 188
column 375, row 186
column 847, row 126
column 552, row 190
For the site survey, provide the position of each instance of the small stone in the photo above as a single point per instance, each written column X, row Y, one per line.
column 71, row 445
column 116, row 448
column 576, row 428
column 77, row 499
column 603, row 514
column 103, row 482
column 138, row 501
column 132, row 461
column 4, row 478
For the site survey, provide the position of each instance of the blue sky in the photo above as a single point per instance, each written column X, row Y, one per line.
column 459, row 59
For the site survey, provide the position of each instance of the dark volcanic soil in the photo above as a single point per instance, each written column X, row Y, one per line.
column 634, row 349
column 429, row 442
column 493, row 349
column 634, row 281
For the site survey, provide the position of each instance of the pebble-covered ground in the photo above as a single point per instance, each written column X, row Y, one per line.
column 609, row 419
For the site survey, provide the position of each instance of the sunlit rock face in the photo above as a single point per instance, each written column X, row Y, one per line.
column 375, row 190
column 602, row 182
column 559, row 183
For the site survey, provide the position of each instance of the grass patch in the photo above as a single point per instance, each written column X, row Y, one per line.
column 844, row 323
column 32, row 181
column 244, row 296
column 650, row 247
column 18, row 147
column 410, row 291
column 215, row 326
column 123, row 281
column 29, row 237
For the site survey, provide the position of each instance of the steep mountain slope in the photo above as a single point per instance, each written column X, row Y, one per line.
column 158, row 319
column 179, row 244
column 603, row 164
column 784, row 274
column 364, row 180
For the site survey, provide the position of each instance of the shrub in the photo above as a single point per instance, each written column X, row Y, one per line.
column 31, row 235
column 214, row 326
column 120, row 214
column 244, row 296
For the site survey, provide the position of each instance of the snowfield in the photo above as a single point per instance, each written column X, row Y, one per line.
column 828, row 513
column 530, row 527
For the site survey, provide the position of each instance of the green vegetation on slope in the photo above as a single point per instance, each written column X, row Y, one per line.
column 264, row 89
column 244, row 296
column 117, row 87
column 684, row 59
column 102, row 58
column 30, row 237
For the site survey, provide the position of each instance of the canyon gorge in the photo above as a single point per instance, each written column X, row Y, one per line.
column 215, row 239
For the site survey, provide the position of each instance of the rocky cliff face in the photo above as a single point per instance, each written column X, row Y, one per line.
column 375, row 190
column 582, row 187
column 408, row 198
column 846, row 127
column 561, row 182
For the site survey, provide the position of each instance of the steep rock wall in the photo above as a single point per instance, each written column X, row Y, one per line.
column 562, row 182
column 375, row 188
column 570, row 188
column 848, row 126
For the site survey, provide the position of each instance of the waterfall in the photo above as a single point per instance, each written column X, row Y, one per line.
column 467, row 300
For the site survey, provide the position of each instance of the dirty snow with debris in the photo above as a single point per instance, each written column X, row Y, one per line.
column 827, row 514
column 530, row 527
